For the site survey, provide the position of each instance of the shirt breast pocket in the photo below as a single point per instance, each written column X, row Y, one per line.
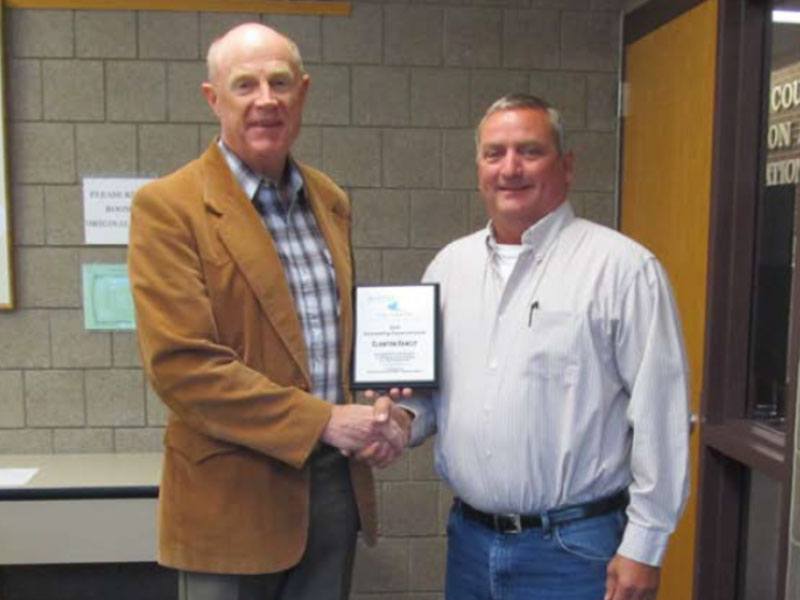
column 551, row 345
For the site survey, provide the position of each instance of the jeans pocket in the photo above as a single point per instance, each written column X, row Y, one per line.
column 595, row 539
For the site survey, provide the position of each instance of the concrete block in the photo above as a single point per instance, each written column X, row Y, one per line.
column 304, row 30
column 215, row 24
column 595, row 206
column 405, row 266
column 380, row 218
column 440, row 97
column 382, row 568
column 445, row 503
column 413, row 35
column 531, row 39
column 355, row 39
column 590, row 41
column 42, row 153
column 437, row 217
column 561, row 4
column 103, row 254
column 124, row 349
column 352, row 156
column 164, row 34
column 156, row 410
column 397, row 471
column 478, row 217
column 74, row 346
column 26, row 441
column 82, row 441
column 601, row 109
column 308, row 146
column 25, row 95
column 565, row 92
column 185, row 101
column 163, row 148
column 105, row 149
column 368, row 266
column 409, row 508
column 136, row 90
column 105, row 34
column 616, row 5
column 30, row 330
column 489, row 85
column 208, row 134
column 54, row 398
column 428, row 560
column 43, row 33
column 12, row 400
column 48, row 277
column 27, row 207
column 459, row 159
column 412, row 158
column 422, row 466
column 472, row 37
column 595, row 160
column 328, row 99
column 141, row 439
column 115, row 397
column 380, row 96
column 63, row 209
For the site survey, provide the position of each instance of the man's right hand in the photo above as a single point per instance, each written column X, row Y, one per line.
column 356, row 426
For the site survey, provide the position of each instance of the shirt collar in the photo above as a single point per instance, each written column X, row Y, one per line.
column 291, row 184
column 539, row 236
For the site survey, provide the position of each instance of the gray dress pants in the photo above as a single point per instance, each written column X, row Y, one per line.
column 324, row 572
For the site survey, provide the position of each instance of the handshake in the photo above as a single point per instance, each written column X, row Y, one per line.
column 375, row 434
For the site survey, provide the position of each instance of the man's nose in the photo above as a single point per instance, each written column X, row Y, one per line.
column 265, row 94
column 511, row 165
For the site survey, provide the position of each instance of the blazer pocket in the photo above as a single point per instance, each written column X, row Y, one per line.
column 194, row 446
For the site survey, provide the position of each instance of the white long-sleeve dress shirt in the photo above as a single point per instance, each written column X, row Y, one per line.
column 565, row 382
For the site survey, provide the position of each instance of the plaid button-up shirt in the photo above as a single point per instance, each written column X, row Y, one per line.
column 307, row 265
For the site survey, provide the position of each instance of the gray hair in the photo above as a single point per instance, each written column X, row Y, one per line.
column 525, row 101
column 217, row 46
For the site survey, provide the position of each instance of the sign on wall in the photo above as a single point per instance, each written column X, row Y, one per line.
column 107, row 209
column 783, row 130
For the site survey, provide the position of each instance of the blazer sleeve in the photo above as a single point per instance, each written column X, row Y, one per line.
column 204, row 382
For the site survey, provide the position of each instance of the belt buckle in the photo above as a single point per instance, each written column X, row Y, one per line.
column 508, row 523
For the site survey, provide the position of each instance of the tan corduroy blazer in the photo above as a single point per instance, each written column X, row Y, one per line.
column 223, row 347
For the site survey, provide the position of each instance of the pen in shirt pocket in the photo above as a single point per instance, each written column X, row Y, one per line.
column 534, row 306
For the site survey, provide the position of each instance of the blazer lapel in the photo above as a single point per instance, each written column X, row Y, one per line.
column 251, row 247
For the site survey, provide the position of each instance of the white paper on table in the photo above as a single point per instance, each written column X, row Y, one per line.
column 16, row 477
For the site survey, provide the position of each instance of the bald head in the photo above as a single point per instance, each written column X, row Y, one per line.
column 248, row 35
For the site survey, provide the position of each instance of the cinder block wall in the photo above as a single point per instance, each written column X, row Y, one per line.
column 397, row 88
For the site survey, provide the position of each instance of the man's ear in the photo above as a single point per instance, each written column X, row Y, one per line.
column 210, row 95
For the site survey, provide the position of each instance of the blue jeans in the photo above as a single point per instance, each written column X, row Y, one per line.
column 566, row 562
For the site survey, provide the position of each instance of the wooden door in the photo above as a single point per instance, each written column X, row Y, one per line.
column 665, row 199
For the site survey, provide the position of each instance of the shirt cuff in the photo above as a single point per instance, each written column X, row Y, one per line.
column 643, row 545
column 422, row 425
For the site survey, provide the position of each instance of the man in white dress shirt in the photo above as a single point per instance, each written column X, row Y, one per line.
column 562, row 414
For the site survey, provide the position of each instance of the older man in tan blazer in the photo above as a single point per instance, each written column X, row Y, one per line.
column 241, row 271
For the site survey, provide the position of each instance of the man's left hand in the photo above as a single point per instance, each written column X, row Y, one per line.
column 628, row 579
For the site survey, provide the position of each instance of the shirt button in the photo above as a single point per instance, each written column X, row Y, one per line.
column 486, row 408
column 493, row 364
column 488, row 453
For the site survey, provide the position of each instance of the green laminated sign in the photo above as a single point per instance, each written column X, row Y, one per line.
column 107, row 300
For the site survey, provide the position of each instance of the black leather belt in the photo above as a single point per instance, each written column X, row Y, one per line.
column 557, row 516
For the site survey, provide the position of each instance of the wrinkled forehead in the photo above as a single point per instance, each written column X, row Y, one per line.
column 515, row 125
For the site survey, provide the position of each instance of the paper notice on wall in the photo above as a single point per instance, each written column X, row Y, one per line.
column 107, row 209
column 16, row 477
